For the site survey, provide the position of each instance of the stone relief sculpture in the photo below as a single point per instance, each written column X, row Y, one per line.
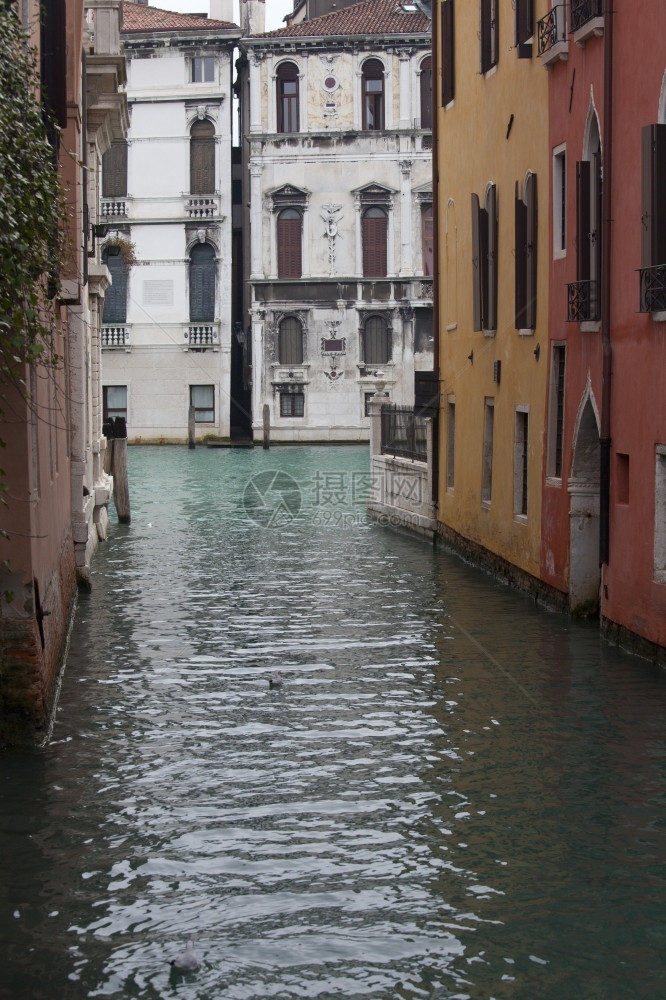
column 331, row 214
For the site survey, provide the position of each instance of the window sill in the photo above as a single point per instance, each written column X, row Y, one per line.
column 590, row 326
column 485, row 504
column 489, row 333
column 660, row 576
column 451, row 326
column 526, row 332
column 520, row 518
column 554, row 481
column 659, row 316
column 559, row 254
column 593, row 27
column 556, row 53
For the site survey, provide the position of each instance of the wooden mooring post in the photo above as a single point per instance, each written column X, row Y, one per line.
column 191, row 432
column 119, row 471
column 267, row 426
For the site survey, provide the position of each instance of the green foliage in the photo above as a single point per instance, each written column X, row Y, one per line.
column 31, row 209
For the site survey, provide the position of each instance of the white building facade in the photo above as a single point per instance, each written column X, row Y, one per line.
column 336, row 120
column 167, row 209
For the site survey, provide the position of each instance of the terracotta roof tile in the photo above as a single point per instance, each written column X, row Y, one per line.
column 141, row 17
column 374, row 17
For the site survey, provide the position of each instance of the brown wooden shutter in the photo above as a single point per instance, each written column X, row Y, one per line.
column 583, row 220
column 448, row 52
column 375, row 231
column 486, row 35
column 490, row 318
column 531, row 252
column 202, row 283
column 115, row 298
column 647, row 193
column 521, row 261
column 202, row 158
column 477, row 269
column 289, row 239
column 114, row 171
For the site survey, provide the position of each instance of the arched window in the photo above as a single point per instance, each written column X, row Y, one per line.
column 374, row 235
column 373, row 95
column 290, row 342
column 289, row 238
column 202, row 283
column 287, row 97
column 376, row 341
column 202, row 158
column 426, row 93
column 115, row 299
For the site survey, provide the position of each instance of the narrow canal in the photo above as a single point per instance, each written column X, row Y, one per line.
column 454, row 794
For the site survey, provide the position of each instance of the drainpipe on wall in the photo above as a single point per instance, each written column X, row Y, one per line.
column 606, row 346
column 436, row 91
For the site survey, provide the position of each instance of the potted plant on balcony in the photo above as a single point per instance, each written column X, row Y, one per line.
column 118, row 246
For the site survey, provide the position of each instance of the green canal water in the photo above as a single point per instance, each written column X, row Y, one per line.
column 454, row 794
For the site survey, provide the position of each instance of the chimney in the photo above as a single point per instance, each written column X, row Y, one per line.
column 222, row 10
column 252, row 17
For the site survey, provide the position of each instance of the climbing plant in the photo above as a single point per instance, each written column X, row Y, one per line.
column 31, row 209
column 32, row 215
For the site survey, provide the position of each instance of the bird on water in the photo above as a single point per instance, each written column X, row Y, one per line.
column 276, row 680
column 188, row 960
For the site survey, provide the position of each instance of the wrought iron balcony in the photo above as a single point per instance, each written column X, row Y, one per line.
column 115, row 336
column 583, row 299
column 653, row 288
column 200, row 336
column 552, row 38
column 583, row 11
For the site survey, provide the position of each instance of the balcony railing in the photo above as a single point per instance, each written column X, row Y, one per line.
column 583, row 11
column 201, row 336
column 201, row 208
column 403, row 433
column 583, row 297
column 115, row 336
column 115, row 208
column 552, row 30
column 653, row 288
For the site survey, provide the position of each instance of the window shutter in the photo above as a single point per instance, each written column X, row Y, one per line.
column 524, row 21
column 521, row 262
column 653, row 175
column 448, row 52
column 202, row 284
column 114, row 171
column 202, row 158
column 477, row 270
column 375, row 231
column 426, row 93
column 490, row 318
column 115, row 298
column 289, row 239
column 376, row 348
column 53, row 46
column 583, row 220
column 531, row 252
column 290, row 342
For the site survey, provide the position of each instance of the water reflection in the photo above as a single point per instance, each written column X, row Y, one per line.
column 453, row 795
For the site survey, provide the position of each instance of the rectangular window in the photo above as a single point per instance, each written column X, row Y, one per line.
column 427, row 236
column 451, row 443
column 203, row 69
column 660, row 515
column 448, row 52
column 489, row 34
column 524, row 27
column 560, row 201
column 202, row 399
column 653, row 219
column 556, row 411
column 114, row 402
column 520, row 463
column 622, row 477
column 487, row 470
column 292, row 404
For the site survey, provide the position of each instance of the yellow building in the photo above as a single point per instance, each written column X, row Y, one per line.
column 492, row 197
